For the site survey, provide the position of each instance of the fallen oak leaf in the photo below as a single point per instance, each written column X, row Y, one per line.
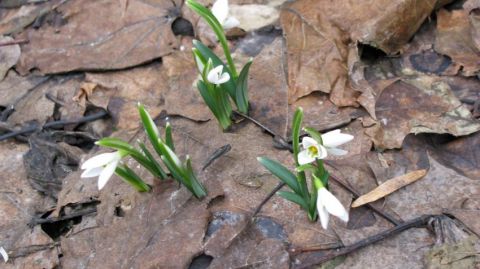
column 389, row 186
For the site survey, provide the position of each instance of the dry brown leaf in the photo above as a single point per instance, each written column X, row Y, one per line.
column 9, row 56
column 422, row 104
column 454, row 39
column 388, row 187
column 89, row 41
column 321, row 49
column 19, row 203
column 15, row 20
column 14, row 87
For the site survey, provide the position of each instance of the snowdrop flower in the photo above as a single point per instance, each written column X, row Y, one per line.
column 327, row 204
column 220, row 11
column 314, row 150
column 216, row 76
column 4, row 254
column 103, row 166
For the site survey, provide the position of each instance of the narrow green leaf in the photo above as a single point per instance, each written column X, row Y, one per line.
column 305, row 167
column 176, row 174
column 200, row 61
column 129, row 176
column 312, row 211
column 208, row 98
column 281, row 173
column 157, row 170
column 314, row 134
column 293, row 197
column 168, row 136
column 296, row 124
column 118, row 144
column 198, row 189
column 242, row 89
column 150, row 128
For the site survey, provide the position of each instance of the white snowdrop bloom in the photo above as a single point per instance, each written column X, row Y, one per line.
column 314, row 150
column 4, row 254
column 220, row 11
column 327, row 204
column 216, row 76
column 103, row 166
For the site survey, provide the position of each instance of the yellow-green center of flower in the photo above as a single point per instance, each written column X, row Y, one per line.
column 313, row 151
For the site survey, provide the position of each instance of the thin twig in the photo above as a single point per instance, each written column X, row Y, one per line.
column 13, row 42
column 80, row 213
column 25, row 251
column 216, row 154
column 268, row 197
column 54, row 124
column 331, row 254
column 265, row 128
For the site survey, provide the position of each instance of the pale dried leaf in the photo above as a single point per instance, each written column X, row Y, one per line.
column 388, row 187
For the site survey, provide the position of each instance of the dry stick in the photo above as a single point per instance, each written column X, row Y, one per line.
column 269, row 196
column 417, row 222
column 13, row 42
column 54, row 124
column 339, row 182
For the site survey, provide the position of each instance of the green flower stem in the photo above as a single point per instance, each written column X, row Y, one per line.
column 217, row 28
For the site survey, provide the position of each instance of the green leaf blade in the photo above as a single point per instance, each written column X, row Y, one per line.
column 281, row 172
column 242, row 89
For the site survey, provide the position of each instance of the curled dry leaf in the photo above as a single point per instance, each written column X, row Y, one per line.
column 388, row 187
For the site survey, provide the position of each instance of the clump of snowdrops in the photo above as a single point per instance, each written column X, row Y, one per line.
column 316, row 201
column 105, row 165
column 220, row 82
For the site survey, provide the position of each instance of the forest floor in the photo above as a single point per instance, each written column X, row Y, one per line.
column 401, row 76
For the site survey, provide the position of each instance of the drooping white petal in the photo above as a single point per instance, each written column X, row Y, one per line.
column 214, row 75
column 4, row 254
column 331, row 203
column 223, row 78
column 324, row 216
column 93, row 172
column 308, row 141
column 101, row 160
column 337, row 151
column 220, row 10
column 230, row 22
column 106, row 174
column 305, row 157
column 335, row 138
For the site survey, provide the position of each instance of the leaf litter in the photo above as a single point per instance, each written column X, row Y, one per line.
column 393, row 74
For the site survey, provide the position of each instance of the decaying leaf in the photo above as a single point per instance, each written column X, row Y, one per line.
column 9, row 56
column 321, row 49
column 35, row 106
column 14, row 87
column 388, row 187
column 15, row 20
column 454, row 39
column 89, row 41
column 422, row 104
column 19, row 203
